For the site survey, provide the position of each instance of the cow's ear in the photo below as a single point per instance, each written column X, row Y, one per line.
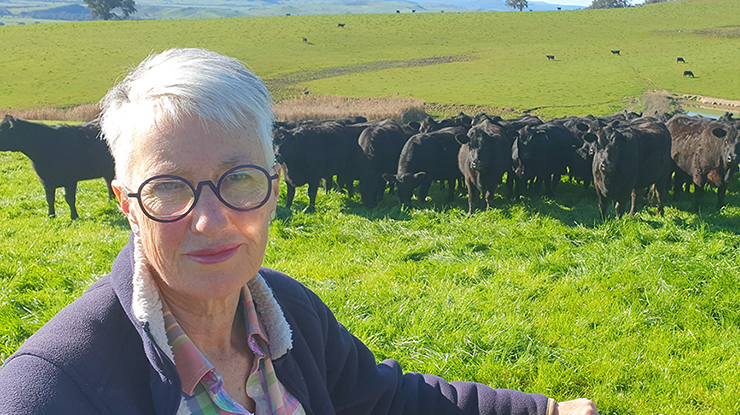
column 719, row 132
column 462, row 138
column 512, row 133
column 590, row 137
column 9, row 120
column 420, row 175
column 614, row 124
column 390, row 178
column 582, row 127
column 414, row 125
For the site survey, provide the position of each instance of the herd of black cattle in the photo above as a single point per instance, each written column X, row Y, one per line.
column 620, row 154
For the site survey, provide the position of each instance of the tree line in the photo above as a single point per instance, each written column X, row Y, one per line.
column 595, row 4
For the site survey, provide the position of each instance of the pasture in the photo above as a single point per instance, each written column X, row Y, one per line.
column 495, row 59
column 639, row 314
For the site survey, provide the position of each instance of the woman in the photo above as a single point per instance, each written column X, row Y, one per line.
column 187, row 321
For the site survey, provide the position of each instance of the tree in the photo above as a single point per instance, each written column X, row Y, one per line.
column 609, row 4
column 517, row 4
column 103, row 9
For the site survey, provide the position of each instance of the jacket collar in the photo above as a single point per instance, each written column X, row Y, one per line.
column 147, row 308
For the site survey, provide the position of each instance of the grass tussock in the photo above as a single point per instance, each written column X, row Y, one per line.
column 327, row 107
column 82, row 113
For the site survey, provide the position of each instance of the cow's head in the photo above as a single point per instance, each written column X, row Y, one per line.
column 405, row 183
column 9, row 140
column 608, row 144
column 427, row 125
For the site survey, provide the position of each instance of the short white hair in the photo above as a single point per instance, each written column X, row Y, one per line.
column 180, row 83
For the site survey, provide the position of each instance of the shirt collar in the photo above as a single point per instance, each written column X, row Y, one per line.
column 190, row 363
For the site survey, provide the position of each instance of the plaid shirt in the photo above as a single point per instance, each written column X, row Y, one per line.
column 202, row 385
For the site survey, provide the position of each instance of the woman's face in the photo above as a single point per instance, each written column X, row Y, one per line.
column 214, row 250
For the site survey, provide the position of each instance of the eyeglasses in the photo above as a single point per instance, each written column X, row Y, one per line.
column 169, row 198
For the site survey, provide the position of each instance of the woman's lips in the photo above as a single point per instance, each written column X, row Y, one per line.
column 213, row 256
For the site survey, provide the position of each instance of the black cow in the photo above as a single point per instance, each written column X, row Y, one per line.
column 542, row 153
column 688, row 73
column 550, row 57
column 381, row 146
column 305, row 40
column 704, row 152
column 461, row 120
column 313, row 152
column 62, row 155
column 484, row 157
column 615, row 52
column 425, row 158
column 680, row 60
column 629, row 157
column 340, row 25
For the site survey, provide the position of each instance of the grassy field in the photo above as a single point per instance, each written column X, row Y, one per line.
column 503, row 55
column 639, row 314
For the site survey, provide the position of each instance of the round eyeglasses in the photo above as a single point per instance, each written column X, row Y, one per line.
column 169, row 198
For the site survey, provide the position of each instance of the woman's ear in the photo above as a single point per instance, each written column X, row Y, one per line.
column 122, row 196
column 276, row 183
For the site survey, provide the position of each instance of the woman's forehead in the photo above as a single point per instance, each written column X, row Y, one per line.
column 195, row 149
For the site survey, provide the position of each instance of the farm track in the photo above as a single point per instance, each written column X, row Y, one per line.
column 283, row 86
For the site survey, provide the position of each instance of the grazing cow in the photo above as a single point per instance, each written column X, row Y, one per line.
column 425, row 158
column 484, row 157
column 550, row 57
column 381, row 146
column 62, row 155
column 340, row 25
column 413, row 11
column 688, row 73
column 680, row 60
column 313, row 152
column 461, row 120
column 541, row 153
column 615, row 52
column 398, row 11
column 558, row 8
column 629, row 157
column 704, row 152
column 305, row 40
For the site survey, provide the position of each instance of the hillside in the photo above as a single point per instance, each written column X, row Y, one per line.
column 495, row 59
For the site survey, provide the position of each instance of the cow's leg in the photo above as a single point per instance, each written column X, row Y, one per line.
column 350, row 188
column 677, row 185
column 510, row 185
column 633, row 196
column 472, row 195
column 721, row 195
column 69, row 195
column 108, row 184
column 451, row 191
column 289, row 195
column 313, row 188
column 50, row 196
column 602, row 205
column 549, row 183
column 619, row 206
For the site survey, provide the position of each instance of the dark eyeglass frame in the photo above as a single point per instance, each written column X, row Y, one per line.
column 215, row 188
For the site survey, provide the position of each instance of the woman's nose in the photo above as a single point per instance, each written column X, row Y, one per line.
column 209, row 214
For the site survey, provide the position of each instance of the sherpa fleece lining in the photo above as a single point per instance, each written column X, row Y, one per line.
column 147, row 308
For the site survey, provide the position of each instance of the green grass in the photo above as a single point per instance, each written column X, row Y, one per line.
column 75, row 63
column 642, row 315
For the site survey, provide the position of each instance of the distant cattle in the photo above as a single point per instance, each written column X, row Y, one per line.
column 413, row 11
column 425, row 158
column 541, row 153
column 558, row 8
column 398, row 11
column 615, row 52
column 305, row 40
column 680, row 60
column 550, row 57
column 704, row 152
column 62, row 155
column 688, row 73
column 340, row 24
column 484, row 157
column 630, row 157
